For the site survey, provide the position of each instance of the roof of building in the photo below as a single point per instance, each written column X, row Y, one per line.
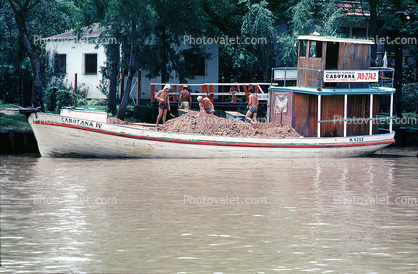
column 92, row 31
column 335, row 39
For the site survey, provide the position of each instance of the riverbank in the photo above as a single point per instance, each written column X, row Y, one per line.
column 17, row 142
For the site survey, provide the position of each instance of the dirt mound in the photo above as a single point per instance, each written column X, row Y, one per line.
column 114, row 120
column 202, row 123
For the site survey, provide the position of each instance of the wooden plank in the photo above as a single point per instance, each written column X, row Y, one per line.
column 235, row 115
column 301, row 113
column 182, row 111
column 333, row 106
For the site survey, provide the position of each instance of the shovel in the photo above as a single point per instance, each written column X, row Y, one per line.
column 169, row 110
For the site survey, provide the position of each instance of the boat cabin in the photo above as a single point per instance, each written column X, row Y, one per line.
column 333, row 92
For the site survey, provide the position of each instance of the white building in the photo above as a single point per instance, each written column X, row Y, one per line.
column 85, row 55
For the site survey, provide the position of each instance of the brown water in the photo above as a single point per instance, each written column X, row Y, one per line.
column 357, row 215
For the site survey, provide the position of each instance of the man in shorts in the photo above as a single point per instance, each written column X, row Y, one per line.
column 164, row 103
column 252, row 107
column 205, row 105
column 185, row 100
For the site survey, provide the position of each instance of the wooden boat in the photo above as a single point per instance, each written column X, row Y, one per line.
column 69, row 136
column 333, row 103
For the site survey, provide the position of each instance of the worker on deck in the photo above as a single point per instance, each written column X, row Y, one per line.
column 185, row 100
column 164, row 103
column 252, row 107
column 205, row 105
column 234, row 89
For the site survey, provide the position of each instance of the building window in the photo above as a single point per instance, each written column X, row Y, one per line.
column 195, row 63
column 60, row 65
column 90, row 63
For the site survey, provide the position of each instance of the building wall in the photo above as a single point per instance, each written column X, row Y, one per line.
column 211, row 76
column 74, row 64
column 75, row 52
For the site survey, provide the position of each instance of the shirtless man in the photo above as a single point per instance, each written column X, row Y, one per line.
column 234, row 89
column 252, row 106
column 205, row 105
column 164, row 99
column 185, row 98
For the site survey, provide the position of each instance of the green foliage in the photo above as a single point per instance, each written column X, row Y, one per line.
column 237, row 62
column 56, row 99
column 40, row 19
column 301, row 23
column 103, row 85
column 307, row 16
column 410, row 98
column 329, row 19
column 258, row 25
column 302, row 19
column 143, row 113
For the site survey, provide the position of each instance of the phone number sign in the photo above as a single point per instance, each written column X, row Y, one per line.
column 350, row 76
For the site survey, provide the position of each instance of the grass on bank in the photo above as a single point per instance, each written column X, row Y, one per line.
column 10, row 118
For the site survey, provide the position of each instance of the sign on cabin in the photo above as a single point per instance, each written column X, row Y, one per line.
column 350, row 76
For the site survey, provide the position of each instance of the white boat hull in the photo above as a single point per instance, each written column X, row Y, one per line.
column 61, row 136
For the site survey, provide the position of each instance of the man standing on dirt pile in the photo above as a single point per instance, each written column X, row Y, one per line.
column 164, row 99
column 252, row 107
column 205, row 105
column 185, row 98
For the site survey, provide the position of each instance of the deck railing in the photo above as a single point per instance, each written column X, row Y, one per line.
column 208, row 90
column 314, row 78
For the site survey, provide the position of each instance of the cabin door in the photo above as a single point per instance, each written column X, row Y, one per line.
column 331, row 61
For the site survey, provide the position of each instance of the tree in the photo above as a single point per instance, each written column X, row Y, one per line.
column 398, row 24
column 258, row 26
column 308, row 16
column 174, row 21
column 136, row 32
column 21, row 12
column 301, row 23
column 31, row 23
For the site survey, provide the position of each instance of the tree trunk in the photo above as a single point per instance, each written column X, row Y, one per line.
column 34, row 53
column 114, row 58
column 131, row 71
column 165, row 77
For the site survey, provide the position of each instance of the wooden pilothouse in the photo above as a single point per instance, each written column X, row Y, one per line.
column 333, row 92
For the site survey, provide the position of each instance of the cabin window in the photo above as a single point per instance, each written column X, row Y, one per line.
column 60, row 65
column 90, row 63
column 195, row 63
column 302, row 48
column 315, row 49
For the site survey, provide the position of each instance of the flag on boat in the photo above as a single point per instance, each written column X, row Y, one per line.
column 385, row 60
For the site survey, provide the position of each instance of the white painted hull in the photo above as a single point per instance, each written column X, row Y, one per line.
column 61, row 136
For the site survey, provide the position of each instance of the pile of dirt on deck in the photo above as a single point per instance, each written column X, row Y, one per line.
column 202, row 123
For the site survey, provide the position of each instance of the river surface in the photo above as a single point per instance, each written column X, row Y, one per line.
column 357, row 215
